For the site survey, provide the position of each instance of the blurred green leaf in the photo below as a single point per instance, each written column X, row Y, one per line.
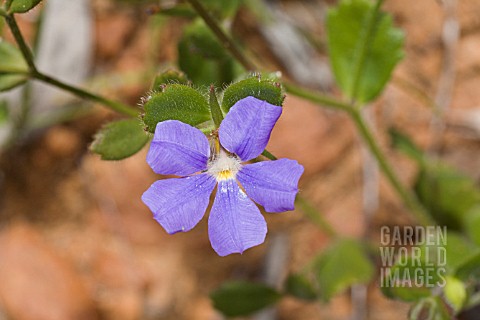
column 431, row 308
column 472, row 224
column 11, row 59
column 300, row 287
column 4, row 111
column 22, row 6
column 403, row 143
column 411, row 279
column 169, row 77
column 446, row 193
column 203, row 42
column 458, row 251
column 455, row 293
column 263, row 89
column 10, row 81
column 204, row 59
column 470, row 269
column 175, row 102
column 222, row 9
column 343, row 264
column 243, row 298
column 13, row 68
column 364, row 47
column 119, row 139
column 180, row 10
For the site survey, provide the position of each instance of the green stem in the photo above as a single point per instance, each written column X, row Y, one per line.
column 316, row 97
column 408, row 198
column 364, row 45
column 226, row 41
column 26, row 52
column 316, row 217
column 114, row 105
column 8, row 3
column 34, row 73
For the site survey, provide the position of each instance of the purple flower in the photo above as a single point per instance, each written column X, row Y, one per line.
column 235, row 223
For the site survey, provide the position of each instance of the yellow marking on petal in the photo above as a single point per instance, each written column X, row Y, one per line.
column 225, row 175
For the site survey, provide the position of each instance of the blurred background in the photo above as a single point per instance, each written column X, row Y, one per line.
column 76, row 242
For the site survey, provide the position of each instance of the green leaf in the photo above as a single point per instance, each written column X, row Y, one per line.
column 22, row 6
column 202, row 41
column 222, row 9
column 455, row 293
column 300, row 287
column 215, row 110
column 119, row 139
column 263, row 89
column 243, row 298
column 180, row 10
column 4, row 111
column 458, row 251
column 11, row 59
column 447, row 194
column 169, row 77
column 342, row 265
column 407, row 279
column 431, row 308
column 472, row 224
column 176, row 102
column 13, row 68
column 202, row 57
column 364, row 47
column 404, row 144
column 470, row 269
column 10, row 81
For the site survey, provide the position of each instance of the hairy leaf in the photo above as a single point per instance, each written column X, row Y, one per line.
column 263, row 89
column 119, row 139
column 176, row 102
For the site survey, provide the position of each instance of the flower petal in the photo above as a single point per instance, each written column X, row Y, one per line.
column 235, row 223
column 178, row 204
column 246, row 128
column 178, row 148
column 272, row 184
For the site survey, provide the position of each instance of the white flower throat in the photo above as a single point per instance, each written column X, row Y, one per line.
column 223, row 166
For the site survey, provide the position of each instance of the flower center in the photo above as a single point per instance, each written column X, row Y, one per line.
column 223, row 166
